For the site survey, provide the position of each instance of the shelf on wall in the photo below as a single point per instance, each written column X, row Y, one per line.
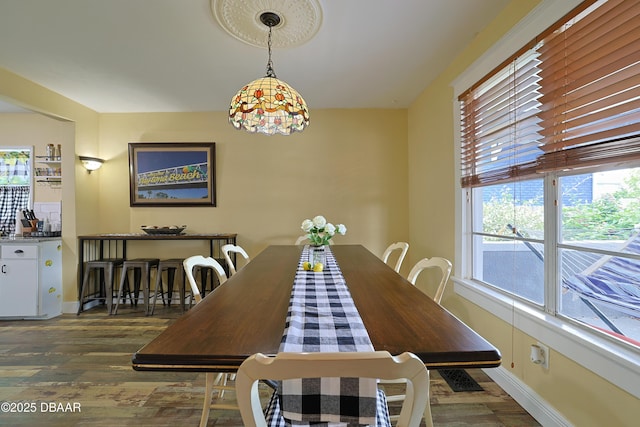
column 48, row 160
column 48, row 178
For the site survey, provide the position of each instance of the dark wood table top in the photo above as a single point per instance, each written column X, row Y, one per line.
column 247, row 315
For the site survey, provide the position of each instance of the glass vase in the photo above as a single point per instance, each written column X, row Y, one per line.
column 317, row 254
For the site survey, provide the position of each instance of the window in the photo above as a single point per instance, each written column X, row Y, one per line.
column 599, row 250
column 550, row 165
column 15, row 185
column 508, row 238
column 597, row 280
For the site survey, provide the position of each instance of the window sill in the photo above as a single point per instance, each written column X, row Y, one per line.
column 616, row 362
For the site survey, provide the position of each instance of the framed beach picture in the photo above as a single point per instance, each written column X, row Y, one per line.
column 172, row 174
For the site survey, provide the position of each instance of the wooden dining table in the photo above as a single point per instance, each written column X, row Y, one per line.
column 247, row 313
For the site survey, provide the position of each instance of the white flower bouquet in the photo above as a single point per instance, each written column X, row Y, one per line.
column 319, row 231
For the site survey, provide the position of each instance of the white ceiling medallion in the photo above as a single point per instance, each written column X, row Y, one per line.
column 299, row 20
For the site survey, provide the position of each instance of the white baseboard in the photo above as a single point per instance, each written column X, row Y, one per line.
column 72, row 307
column 539, row 408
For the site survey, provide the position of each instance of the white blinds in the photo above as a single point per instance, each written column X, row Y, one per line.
column 500, row 124
column 569, row 99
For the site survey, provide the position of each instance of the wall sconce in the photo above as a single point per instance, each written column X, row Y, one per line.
column 91, row 163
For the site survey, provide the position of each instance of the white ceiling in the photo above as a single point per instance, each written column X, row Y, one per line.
column 172, row 55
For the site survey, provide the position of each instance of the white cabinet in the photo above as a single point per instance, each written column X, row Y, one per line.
column 18, row 280
column 30, row 278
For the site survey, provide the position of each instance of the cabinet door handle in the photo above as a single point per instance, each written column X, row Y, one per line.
column 4, row 269
column 18, row 251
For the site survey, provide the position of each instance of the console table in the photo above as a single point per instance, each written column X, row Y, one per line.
column 114, row 245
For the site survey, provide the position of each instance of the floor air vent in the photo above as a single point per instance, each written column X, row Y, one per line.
column 459, row 380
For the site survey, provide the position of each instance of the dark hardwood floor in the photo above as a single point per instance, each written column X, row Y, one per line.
column 76, row 371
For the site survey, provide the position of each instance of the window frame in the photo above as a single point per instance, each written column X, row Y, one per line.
column 476, row 231
column 606, row 356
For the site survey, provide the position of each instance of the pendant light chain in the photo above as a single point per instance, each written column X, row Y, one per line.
column 270, row 72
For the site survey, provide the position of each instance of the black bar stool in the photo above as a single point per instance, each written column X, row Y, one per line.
column 175, row 272
column 142, row 279
column 104, row 271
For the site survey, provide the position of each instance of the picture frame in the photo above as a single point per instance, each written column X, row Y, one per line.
column 172, row 174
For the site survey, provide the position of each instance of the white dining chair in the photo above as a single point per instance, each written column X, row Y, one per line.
column 375, row 364
column 445, row 267
column 229, row 248
column 301, row 240
column 214, row 381
column 402, row 247
column 200, row 261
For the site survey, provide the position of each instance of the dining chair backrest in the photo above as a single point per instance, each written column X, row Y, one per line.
column 199, row 260
column 375, row 364
column 403, row 247
column 435, row 262
column 236, row 249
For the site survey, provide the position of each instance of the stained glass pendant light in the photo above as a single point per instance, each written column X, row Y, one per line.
column 269, row 105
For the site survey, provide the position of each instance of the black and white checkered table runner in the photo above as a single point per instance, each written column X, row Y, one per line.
column 323, row 317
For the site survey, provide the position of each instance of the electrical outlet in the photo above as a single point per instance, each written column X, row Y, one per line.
column 540, row 355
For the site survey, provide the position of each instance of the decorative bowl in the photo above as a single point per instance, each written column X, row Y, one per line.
column 154, row 229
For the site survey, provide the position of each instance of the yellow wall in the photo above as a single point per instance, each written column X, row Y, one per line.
column 349, row 165
column 583, row 398
column 79, row 197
